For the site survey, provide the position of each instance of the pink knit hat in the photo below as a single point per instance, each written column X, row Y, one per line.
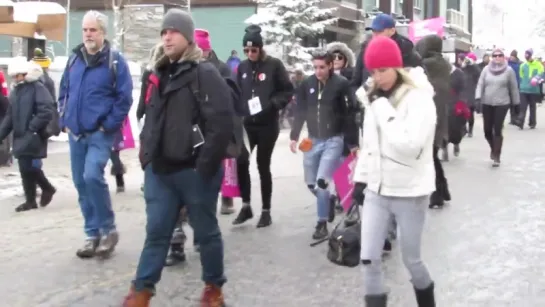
column 472, row 56
column 202, row 38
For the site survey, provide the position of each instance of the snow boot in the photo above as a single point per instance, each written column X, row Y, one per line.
column 376, row 300
column 425, row 297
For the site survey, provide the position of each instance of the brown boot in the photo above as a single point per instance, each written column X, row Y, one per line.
column 212, row 296
column 498, row 143
column 137, row 299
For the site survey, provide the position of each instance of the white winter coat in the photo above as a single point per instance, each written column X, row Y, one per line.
column 396, row 156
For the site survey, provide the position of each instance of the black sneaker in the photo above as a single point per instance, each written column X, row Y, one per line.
column 264, row 220
column 88, row 249
column 26, row 206
column 244, row 215
column 321, row 231
column 107, row 244
column 436, row 200
column 176, row 255
column 387, row 248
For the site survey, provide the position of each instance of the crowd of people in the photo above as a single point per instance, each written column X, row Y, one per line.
column 395, row 106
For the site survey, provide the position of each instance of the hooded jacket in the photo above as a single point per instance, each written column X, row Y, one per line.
column 168, row 138
column 30, row 111
column 472, row 72
column 399, row 128
column 515, row 65
column 348, row 70
column 438, row 70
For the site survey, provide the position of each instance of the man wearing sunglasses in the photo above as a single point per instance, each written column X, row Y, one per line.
column 266, row 89
column 384, row 25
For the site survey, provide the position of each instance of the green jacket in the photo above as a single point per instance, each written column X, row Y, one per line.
column 527, row 71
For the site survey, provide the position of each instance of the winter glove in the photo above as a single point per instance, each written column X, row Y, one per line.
column 357, row 194
column 516, row 109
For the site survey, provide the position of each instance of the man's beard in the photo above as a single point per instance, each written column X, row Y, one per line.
column 91, row 45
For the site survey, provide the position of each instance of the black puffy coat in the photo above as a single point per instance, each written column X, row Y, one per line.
column 30, row 111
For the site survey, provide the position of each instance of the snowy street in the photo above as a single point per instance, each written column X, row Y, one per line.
column 481, row 249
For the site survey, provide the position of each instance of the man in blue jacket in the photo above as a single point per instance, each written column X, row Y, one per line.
column 95, row 96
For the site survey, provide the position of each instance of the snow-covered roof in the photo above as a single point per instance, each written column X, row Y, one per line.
column 29, row 11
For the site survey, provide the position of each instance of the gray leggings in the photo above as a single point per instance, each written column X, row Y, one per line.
column 376, row 218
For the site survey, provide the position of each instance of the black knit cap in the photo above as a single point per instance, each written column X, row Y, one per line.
column 252, row 37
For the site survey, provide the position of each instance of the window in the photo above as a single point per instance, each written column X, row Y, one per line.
column 418, row 4
column 368, row 5
column 453, row 4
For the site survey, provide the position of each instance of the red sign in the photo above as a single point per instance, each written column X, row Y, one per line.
column 421, row 28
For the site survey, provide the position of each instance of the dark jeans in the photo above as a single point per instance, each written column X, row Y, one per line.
column 528, row 101
column 264, row 138
column 164, row 194
column 493, row 118
column 440, row 178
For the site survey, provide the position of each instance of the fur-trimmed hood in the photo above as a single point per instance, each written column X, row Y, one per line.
column 33, row 72
column 345, row 50
column 158, row 58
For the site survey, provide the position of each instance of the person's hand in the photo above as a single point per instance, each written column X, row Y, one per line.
column 354, row 151
column 101, row 128
column 516, row 108
column 293, row 146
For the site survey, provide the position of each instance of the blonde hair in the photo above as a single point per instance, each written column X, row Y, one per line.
column 405, row 79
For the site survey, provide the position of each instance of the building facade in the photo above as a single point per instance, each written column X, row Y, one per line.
column 457, row 13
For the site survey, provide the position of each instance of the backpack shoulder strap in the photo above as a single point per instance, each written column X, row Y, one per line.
column 112, row 64
column 195, row 85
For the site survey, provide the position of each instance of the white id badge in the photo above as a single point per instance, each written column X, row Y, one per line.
column 254, row 105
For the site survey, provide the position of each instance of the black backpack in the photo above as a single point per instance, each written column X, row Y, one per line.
column 235, row 145
column 344, row 243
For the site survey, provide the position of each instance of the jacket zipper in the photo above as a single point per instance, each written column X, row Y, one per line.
column 319, row 102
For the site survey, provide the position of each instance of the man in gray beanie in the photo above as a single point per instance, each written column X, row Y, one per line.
column 182, row 158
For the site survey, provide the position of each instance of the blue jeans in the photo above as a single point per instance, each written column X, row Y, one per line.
column 319, row 165
column 88, row 156
column 165, row 194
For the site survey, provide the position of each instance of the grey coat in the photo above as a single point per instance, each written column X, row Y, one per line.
column 438, row 70
column 497, row 89
column 30, row 111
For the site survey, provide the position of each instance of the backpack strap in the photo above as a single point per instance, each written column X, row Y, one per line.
column 112, row 64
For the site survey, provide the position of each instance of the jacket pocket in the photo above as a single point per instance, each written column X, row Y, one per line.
column 29, row 144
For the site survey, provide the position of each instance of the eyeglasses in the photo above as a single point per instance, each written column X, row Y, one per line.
column 497, row 55
column 338, row 56
column 250, row 50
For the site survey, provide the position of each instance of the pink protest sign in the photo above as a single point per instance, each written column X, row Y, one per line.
column 421, row 28
column 125, row 140
column 229, row 186
column 343, row 181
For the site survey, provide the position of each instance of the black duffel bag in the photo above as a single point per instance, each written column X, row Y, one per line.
column 344, row 243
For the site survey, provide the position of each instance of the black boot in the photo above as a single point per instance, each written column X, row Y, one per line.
column 321, row 231
column 445, row 193
column 176, row 255
column 244, row 215
column 425, row 297
column 376, row 300
column 265, row 219
column 120, row 183
column 48, row 190
column 498, row 143
column 436, row 200
column 387, row 248
column 29, row 187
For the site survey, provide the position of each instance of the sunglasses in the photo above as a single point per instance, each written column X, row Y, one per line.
column 338, row 57
column 250, row 50
column 497, row 55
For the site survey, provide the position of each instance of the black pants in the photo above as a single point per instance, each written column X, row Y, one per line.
column 528, row 101
column 264, row 138
column 471, row 119
column 493, row 118
column 440, row 178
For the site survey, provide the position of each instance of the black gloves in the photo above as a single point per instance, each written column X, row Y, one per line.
column 357, row 194
column 516, row 109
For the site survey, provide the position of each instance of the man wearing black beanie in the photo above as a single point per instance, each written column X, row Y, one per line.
column 266, row 89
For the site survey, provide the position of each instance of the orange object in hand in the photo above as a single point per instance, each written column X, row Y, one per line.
column 305, row 145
